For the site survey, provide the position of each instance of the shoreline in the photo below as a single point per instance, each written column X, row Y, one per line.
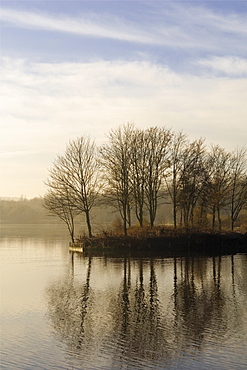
column 169, row 242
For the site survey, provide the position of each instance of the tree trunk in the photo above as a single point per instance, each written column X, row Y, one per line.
column 88, row 224
column 140, row 218
column 125, row 226
column 129, row 215
column 71, row 231
column 125, row 219
column 151, row 217
column 174, row 215
column 71, row 228
column 213, row 218
column 219, row 218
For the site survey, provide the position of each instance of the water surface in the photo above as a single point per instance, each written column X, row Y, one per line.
column 67, row 311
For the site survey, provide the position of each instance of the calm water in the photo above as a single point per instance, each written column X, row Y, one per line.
column 66, row 311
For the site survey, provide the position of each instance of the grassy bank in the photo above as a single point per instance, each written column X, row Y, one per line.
column 168, row 240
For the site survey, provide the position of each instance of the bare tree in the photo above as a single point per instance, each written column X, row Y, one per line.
column 138, row 156
column 176, row 151
column 191, row 179
column 219, row 182
column 238, row 187
column 58, row 203
column 115, row 162
column 77, row 172
column 157, row 163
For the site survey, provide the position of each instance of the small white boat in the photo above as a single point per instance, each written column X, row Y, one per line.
column 73, row 247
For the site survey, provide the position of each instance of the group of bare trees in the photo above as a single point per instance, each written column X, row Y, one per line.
column 133, row 164
column 73, row 183
column 136, row 168
column 206, row 182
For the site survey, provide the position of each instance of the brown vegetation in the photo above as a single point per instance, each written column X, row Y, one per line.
column 168, row 239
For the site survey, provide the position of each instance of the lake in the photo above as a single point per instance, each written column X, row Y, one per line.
column 64, row 310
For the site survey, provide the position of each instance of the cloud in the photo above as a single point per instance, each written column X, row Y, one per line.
column 169, row 24
column 44, row 105
column 206, row 29
column 204, row 18
column 230, row 66
column 41, row 101
column 17, row 153
column 111, row 27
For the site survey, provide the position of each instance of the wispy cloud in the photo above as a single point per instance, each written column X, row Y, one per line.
column 202, row 27
column 196, row 16
column 17, row 153
column 230, row 66
column 93, row 25
column 174, row 25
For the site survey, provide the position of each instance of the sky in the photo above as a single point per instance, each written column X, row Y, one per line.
column 81, row 68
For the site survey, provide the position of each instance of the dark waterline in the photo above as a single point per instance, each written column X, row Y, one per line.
column 62, row 310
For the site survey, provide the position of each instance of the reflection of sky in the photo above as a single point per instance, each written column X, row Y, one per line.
column 25, row 267
column 72, row 68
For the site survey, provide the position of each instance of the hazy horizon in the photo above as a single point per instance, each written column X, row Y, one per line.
column 75, row 68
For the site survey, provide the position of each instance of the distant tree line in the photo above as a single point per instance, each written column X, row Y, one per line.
column 22, row 211
column 136, row 168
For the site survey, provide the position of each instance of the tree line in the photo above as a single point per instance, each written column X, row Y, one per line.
column 136, row 168
column 22, row 211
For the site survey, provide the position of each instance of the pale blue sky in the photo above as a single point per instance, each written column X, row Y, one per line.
column 72, row 68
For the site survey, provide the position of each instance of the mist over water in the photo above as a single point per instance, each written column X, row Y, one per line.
column 63, row 310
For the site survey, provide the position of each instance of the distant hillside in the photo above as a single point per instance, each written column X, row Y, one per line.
column 24, row 211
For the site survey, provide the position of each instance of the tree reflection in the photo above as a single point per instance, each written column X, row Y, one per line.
column 141, row 317
column 139, row 327
column 125, row 309
column 198, row 302
column 68, row 306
